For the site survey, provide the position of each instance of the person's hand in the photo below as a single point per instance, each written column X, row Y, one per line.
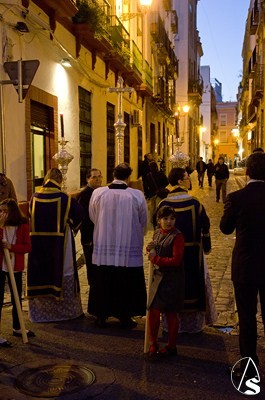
column 150, row 246
column 3, row 218
column 151, row 254
column 6, row 245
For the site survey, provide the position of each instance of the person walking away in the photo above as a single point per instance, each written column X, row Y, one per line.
column 52, row 282
column 244, row 211
column 94, row 180
column 168, row 287
column 210, row 172
column 7, row 190
column 201, row 168
column 156, row 182
column 144, row 169
column 193, row 222
column 119, row 214
column 14, row 235
column 221, row 173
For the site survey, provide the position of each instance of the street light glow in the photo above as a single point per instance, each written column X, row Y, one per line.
column 186, row 108
column 146, row 3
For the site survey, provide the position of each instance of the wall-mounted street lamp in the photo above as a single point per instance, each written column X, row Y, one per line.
column 65, row 62
column 216, row 142
column 186, row 108
column 145, row 5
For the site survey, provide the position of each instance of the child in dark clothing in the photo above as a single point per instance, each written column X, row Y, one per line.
column 167, row 288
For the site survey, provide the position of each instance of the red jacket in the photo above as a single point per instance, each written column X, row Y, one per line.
column 22, row 246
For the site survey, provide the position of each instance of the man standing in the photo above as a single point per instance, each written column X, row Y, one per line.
column 201, row 168
column 245, row 211
column 94, row 180
column 210, row 172
column 221, row 172
column 52, row 280
column 119, row 214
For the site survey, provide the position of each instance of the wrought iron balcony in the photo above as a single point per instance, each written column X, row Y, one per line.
column 258, row 84
column 58, row 8
column 137, row 59
column 120, row 37
column 146, row 88
column 195, row 89
column 251, row 117
column 160, row 36
column 159, row 90
column 254, row 21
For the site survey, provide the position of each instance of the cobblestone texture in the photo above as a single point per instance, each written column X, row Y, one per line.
column 218, row 261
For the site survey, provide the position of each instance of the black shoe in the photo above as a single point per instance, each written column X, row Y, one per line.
column 217, row 200
column 19, row 334
column 127, row 323
column 168, row 351
column 6, row 344
column 101, row 323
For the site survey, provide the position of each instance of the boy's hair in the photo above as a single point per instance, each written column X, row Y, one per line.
column 15, row 215
column 165, row 211
column 256, row 166
column 175, row 175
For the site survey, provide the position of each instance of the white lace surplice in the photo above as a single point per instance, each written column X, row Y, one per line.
column 120, row 217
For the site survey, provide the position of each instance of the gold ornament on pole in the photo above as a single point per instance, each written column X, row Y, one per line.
column 63, row 158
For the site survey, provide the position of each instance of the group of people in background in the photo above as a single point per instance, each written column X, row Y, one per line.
column 219, row 170
column 113, row 220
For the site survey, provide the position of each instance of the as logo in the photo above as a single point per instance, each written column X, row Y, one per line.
column 248, row 383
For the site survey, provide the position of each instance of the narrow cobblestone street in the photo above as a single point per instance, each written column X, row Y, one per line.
column 116, row 356
column 218, row 261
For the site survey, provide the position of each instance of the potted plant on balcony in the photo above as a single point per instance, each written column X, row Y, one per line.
column 90, row 13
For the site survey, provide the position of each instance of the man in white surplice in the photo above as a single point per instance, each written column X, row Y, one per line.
column 119, row 214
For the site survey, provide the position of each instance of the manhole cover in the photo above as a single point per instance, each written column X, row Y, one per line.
column 54, row 380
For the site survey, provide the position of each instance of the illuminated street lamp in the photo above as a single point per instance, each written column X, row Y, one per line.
column 145, row 5
column 186, row 109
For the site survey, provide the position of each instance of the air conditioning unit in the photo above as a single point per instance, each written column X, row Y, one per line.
column 136, row 118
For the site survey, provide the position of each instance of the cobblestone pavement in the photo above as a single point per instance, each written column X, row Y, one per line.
column 218, row 261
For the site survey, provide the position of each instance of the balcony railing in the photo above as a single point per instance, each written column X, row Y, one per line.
column 258, row 83
column 160, row 36
column 159, row 90
column 120, row 37
column 55, row 9
column 251, row 113
column 254, row 21
column 148, row 75
column 195, row 87
column 137, row 59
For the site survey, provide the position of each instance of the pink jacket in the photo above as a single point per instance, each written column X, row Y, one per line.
column 22, row 246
